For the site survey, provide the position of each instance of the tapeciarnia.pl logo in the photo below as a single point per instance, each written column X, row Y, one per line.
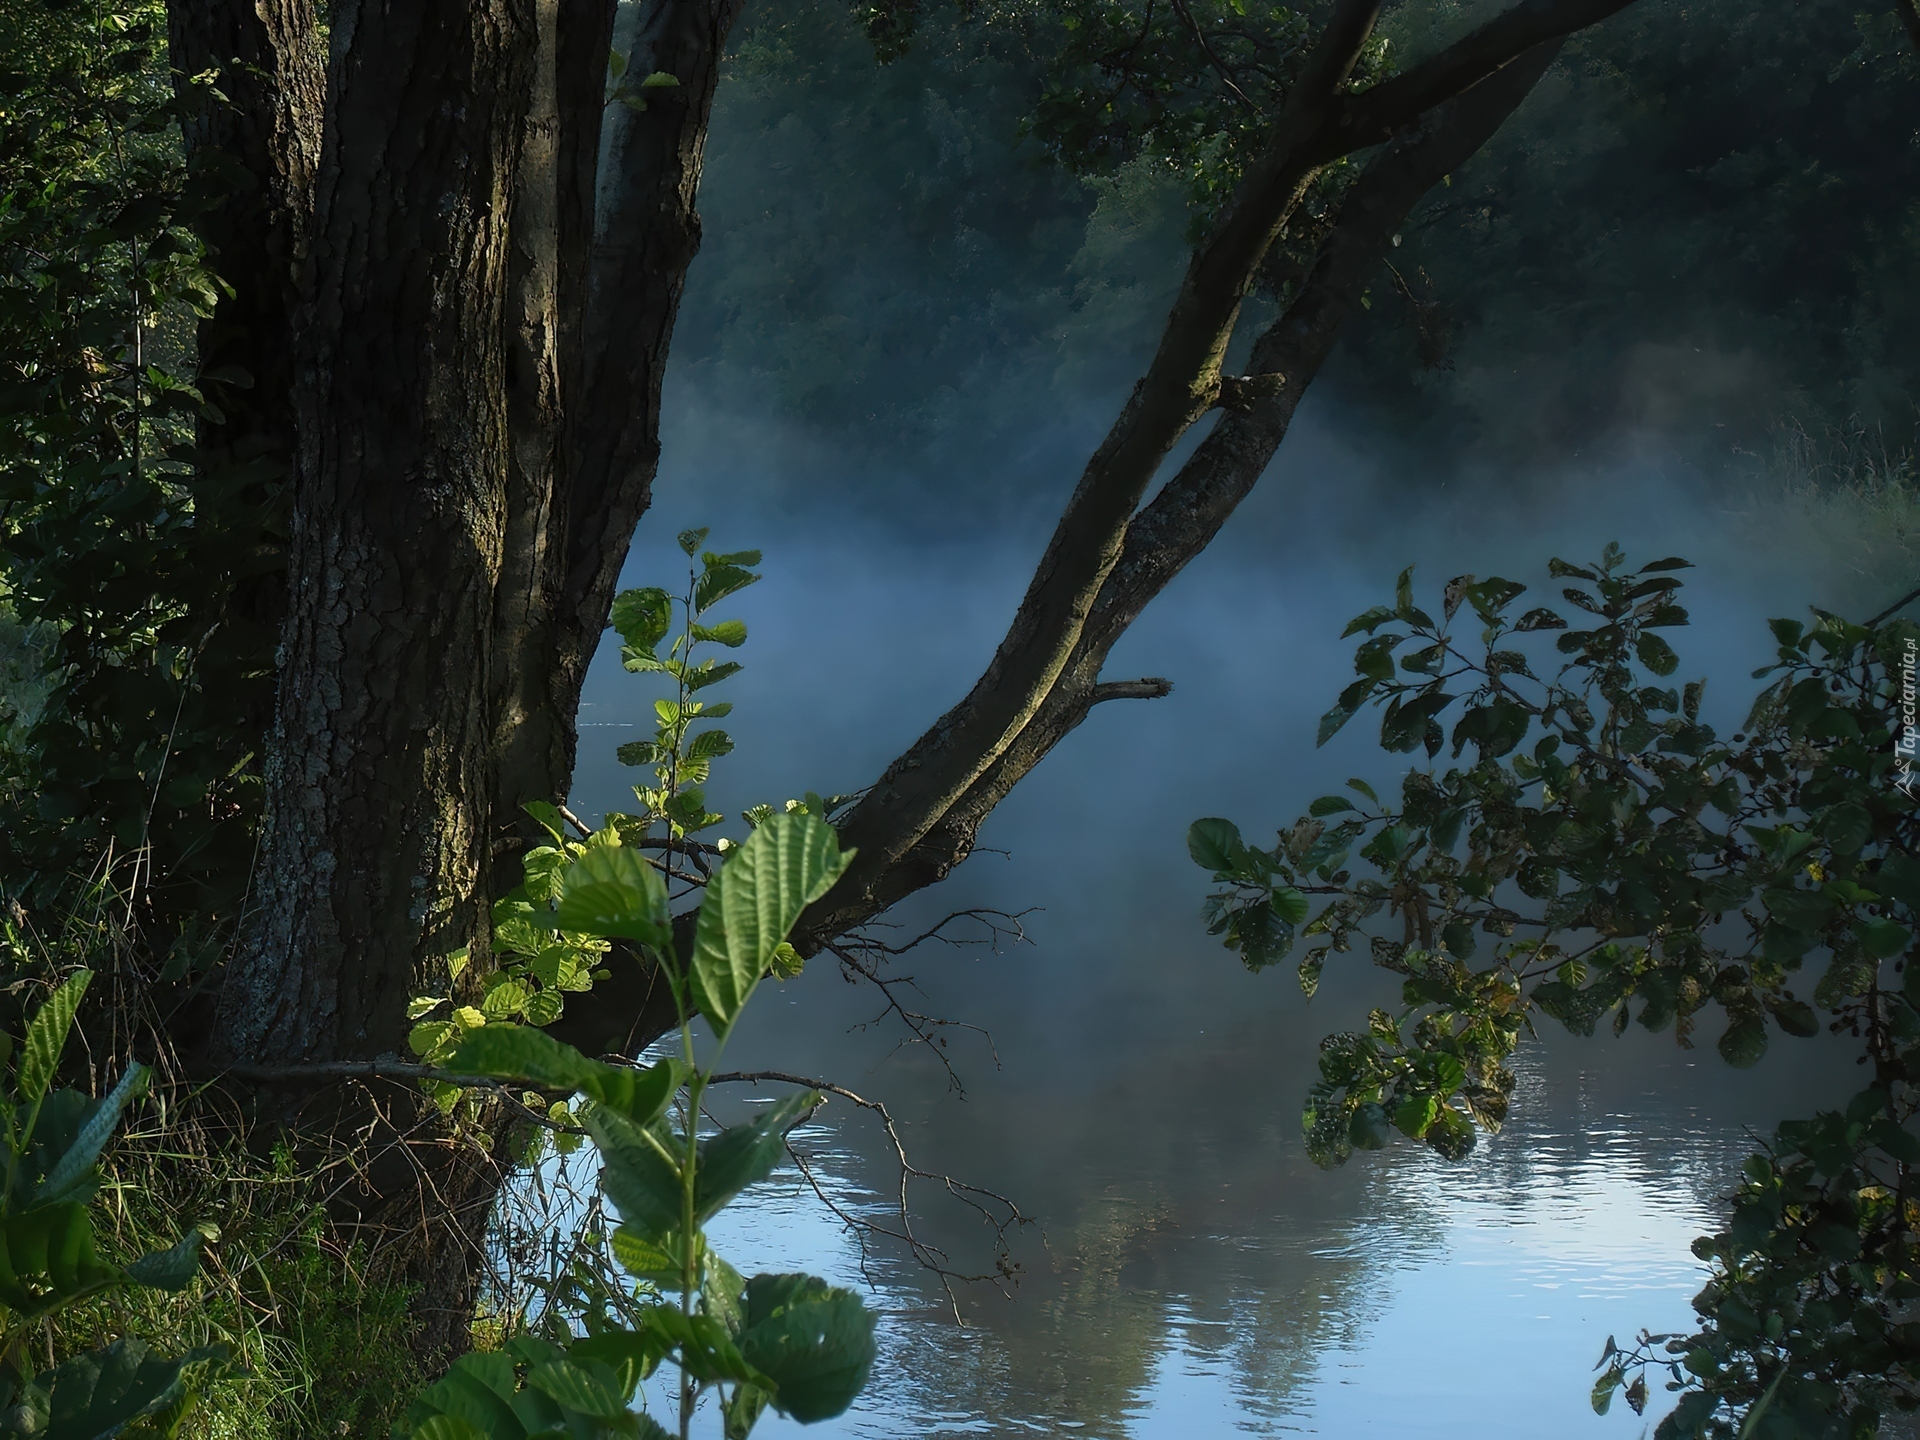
column 1907, row 747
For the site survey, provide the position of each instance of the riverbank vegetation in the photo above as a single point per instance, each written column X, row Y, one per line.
column 333, row 346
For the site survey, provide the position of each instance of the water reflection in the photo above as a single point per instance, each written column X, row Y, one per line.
column 1190, row 1273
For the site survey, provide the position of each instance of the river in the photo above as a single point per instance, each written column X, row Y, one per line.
column 1187, row 1271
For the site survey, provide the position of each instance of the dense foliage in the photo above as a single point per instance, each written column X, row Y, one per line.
column 52, row 1138
column 651, row 1288
column 124, row 556
column 1605, row 854
column 1696, row 223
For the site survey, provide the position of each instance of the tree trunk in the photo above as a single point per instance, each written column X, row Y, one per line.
column 375, row 864
column 472, row 408
column 490, row 285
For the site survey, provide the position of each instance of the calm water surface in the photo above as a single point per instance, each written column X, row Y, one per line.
column 1188, row 1272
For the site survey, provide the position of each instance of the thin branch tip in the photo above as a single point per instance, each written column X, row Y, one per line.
column 1152, row 687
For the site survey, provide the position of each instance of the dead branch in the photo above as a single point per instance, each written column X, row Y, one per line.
column 1152, row 688
column 995, row 1210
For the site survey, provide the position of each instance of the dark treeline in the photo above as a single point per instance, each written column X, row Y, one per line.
column 1695, row 227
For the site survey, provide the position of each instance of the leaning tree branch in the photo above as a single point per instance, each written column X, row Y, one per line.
column 1374, row 115
column 1183, row 382
column 1190, row 509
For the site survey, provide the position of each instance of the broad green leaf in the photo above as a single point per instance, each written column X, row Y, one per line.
column 1744, row 1042
column 706, row 1349
column 1330, row 805
column 1290, row 904
column 691, row 540
column 446, row 1427
column 47, row 1259
column 742, row 1410
column 730, row 633
column 98, row 1394
column 577, row 1388
column 744, row 1155
column 533, row 1057
column 46, row 1038
column 550, row 819
column 1331, row 724
column 1215, row 844
column 814, row 1342
column 653, row 1257
column 717, row 582
column 1414, row 1114
column 643, row 617
column 643, row 1187
column 103, row 1118
column 750, row 905
column 174, row 1267
column 624, row 1352
column 612, row 892
column 1883, row 938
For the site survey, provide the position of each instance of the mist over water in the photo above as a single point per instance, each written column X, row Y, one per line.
column 1188, row 1271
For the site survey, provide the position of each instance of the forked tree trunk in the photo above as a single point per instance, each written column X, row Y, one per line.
column 463, row 379
column 489, row 288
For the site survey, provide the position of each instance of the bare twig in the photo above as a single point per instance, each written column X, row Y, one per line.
column 995, row 1210
column 1151, row 688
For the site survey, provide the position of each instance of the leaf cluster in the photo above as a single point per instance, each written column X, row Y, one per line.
column 52, row 1141
column 135, row 565
column 790, row 1342
column 1604, row 854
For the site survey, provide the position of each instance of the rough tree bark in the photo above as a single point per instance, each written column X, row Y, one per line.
column 488, row 282
column 454, row 288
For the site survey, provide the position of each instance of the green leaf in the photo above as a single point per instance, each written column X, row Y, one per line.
column 1215, row 845
column 1796, row 1017
column 1415, row 1114
column 1330, row 805
column 102, row 1119
column 1883, row 938
column 643, row 1187
column 577, row 1388
column 715, row 584
column 528, row 1056
column 1290, row 904
column 612, row 892
column 744, row 1155
column 643, row 617
column 750, row 905
column 46, row 1038
column 174, row 1267
column 550, row 819
column 446, row 1427
column 730, row 633
column 98, row 1394
column 47, row 1260
column 1847, row 827
column 652, row 1258
column 691, row 540
column 1745, row 1042
column 1331, row 724
column 816, row 1343
column 706, row 1349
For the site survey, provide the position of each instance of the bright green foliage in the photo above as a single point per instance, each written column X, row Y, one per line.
column 48, row 1263
column 788, row 1341
column 750, row 906
column 126, row 559
column 680, row 756
column 1607, row 854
